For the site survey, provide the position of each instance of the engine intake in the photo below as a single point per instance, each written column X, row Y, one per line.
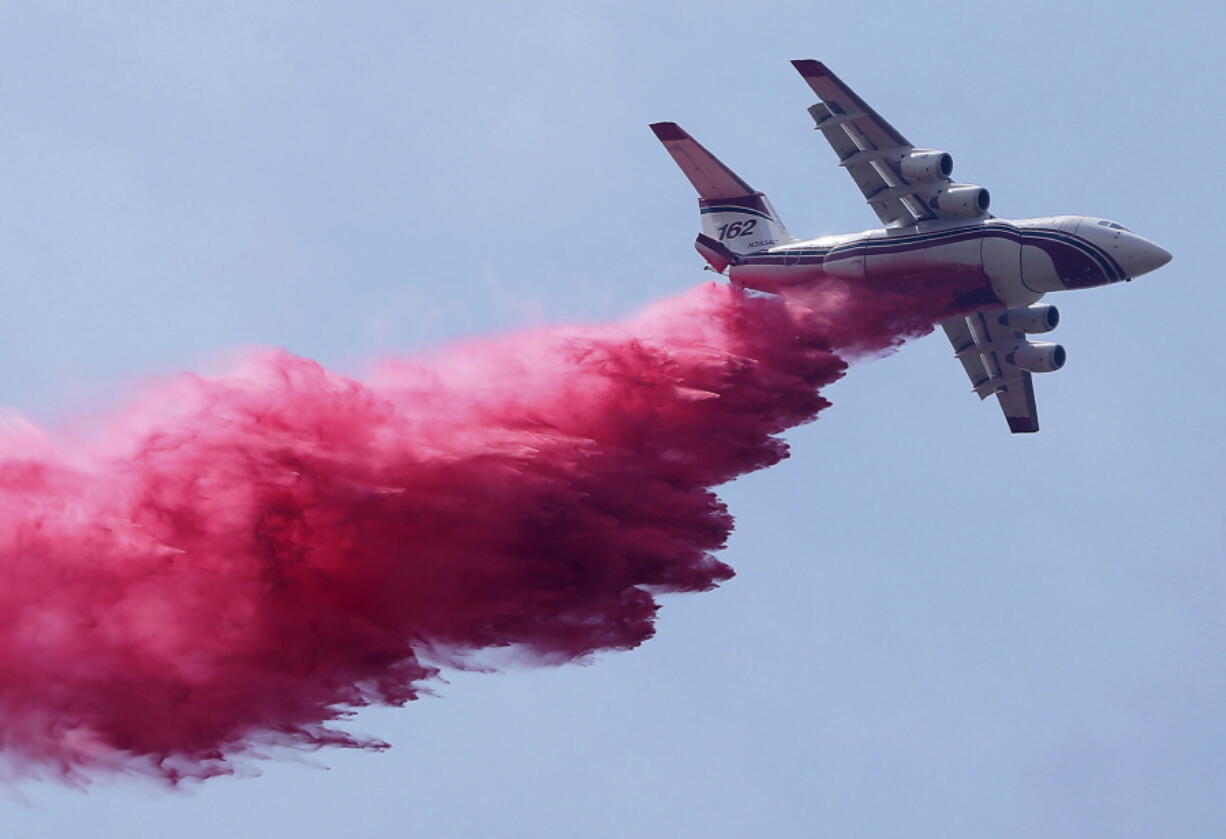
column 963, row 200
column 1031, row 319
column 1039, row 357
column 926, row 165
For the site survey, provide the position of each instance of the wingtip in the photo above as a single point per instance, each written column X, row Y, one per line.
column 666, row 131
column 1023, row 425
column 809, row 68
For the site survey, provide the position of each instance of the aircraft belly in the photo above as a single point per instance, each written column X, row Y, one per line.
column 881, row 260
column 773, row 278
column 957, row 264
column 958, row 257
column 888, row 266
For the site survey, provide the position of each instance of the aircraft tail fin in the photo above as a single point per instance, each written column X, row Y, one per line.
column 736, row 218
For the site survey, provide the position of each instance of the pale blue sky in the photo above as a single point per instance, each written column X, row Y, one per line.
column 938, row 630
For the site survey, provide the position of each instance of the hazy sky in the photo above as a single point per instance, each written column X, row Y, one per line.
column 937, row 630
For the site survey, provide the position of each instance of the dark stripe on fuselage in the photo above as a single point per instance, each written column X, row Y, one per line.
column 1110, row 268
column 919, row 241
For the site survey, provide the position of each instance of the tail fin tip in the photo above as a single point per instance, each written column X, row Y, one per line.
column 810, row 69
column 668, row 131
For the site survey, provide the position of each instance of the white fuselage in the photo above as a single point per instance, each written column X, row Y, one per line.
column 1017, row 260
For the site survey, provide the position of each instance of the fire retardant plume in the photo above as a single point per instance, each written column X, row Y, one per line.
column 240, row 561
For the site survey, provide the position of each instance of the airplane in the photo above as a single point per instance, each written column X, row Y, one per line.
column 932, row 226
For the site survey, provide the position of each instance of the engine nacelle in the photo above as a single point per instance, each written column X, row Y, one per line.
column 1031, row 319
column 963, row 200
column 1040, row 357
column 926, row 165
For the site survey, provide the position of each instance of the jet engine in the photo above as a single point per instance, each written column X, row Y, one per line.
column 963, row 200
column 1040, row 357
column 926, row 165
column 1031, row 319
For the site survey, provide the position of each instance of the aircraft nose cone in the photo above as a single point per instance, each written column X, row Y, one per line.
column 1146, row 257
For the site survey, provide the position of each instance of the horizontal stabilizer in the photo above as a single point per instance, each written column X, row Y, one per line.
column 717, row 255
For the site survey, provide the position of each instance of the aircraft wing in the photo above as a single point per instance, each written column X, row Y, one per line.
column 872, row 151
column 982, row 344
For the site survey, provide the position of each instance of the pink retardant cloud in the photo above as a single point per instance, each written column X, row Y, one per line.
column 244, row 559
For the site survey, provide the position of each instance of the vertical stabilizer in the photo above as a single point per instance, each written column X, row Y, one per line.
column 736, row 218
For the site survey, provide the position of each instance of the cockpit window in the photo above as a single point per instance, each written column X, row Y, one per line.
column 1114, row 225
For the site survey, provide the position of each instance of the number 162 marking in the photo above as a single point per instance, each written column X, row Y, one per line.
column 737, row 229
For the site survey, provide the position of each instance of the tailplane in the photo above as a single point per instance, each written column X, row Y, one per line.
column 736, row 218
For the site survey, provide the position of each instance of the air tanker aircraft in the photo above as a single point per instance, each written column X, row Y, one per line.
column 932, row 226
